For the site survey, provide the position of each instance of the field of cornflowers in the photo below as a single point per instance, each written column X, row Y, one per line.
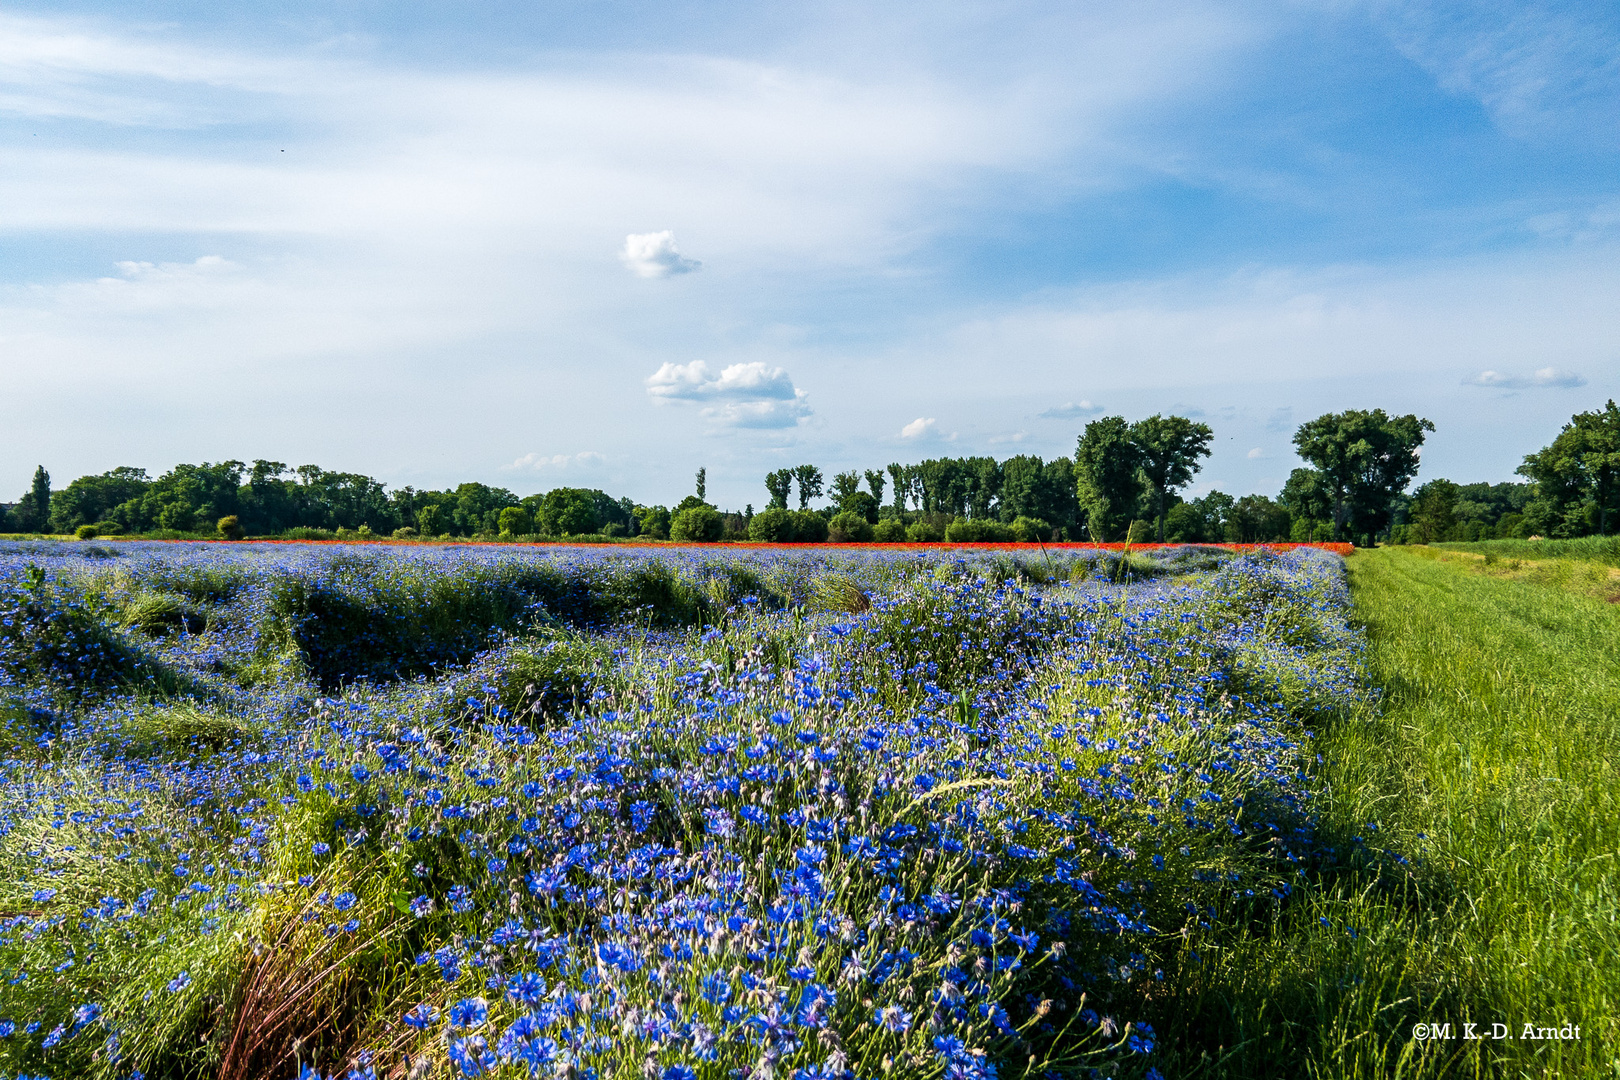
column 588, row 812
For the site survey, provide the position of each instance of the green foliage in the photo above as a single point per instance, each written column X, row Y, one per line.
column 1365, row 458
column 1577, row 476
column 774, row 524
column 1031, row 530
column 810, row 484
column 696, row 524
column 229, row 527
column 653, row 522
column 1433, row 512
column 1169, row 448
column 809, row 527
column 890, row 530
column 978, row 531
column 923, row 531
column 567, row 511
column 404, row 532
column 780, row 485
column 515, row 521
column 86, row 532
column 849, row 527
column 1108, row 476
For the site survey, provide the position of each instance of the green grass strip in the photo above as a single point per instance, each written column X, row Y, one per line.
column 1492, row 765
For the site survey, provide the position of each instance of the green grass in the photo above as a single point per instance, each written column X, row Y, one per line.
column 1491, row 764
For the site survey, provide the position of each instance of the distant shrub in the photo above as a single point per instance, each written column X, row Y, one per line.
column 404, row 532
column 849, row 528
column 978, row 531
column 108, row 528
column 304, row 532
column 924, row 532
column 86, row 532
column 1141, row 532
column 230, row 528
column 809, row 527
column 774, row 525
column 1031, row 530
column 889, row 531
column 697, row 524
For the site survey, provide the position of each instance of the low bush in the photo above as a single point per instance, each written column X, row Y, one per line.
column 697, row 524
column 773, row 525
column 86, row 532
column 889, row 531
column 809, row 527
column 978, row 531
column 849, row 528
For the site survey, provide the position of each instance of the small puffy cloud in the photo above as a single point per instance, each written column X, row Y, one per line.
column 653, row 255
column 1070, row 409
column 1257, row 454
column 925, row 429
column 1010, row 437
column 1541, row 377
column 533, row 462
column 743, row 382
column 750, row 395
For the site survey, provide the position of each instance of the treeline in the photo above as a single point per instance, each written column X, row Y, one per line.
column 268, row 498
column 1123, row 481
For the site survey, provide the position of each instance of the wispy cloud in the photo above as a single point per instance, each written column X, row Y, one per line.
column 1541, row 377
column 534, row 462
column 1069, row 410
column 653, row 255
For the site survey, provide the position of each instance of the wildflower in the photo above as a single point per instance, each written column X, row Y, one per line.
column 422, row 1016
column 179, row 982
column 469, row 1013
column 893, row 1018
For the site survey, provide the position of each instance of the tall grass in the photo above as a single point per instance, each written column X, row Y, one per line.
column 1603, row 549
column 1491, row 764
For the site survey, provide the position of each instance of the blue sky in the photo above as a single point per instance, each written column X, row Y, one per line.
column 603, row 244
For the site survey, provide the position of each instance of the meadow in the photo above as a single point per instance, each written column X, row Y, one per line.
column 364, row 811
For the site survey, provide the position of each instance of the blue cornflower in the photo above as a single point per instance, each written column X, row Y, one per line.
column 893, row 1018
column 679, row 1072
column 179, row 982
column 421, row 907
column 471, row 1055
column 716, row 988
column 320, row 847
column 469, row 1013
column 422, row 1016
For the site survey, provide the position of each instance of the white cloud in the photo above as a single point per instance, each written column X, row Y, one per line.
column 1010, row 437
column 1070, row 409
column 746, row 395
column 533, row 462
column 1541, row 377
column 919, row 427
column 1257, row 454
column 653, row 255
column 759, row 414
column 753, row 380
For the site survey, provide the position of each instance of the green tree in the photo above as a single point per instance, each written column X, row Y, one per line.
column 515, row 521
column 1169, row 448
column 774, row 525
column 780, row 485
column 1108, row 480
column 91, row 499
column 1365, row 457
column 568, row 512
column 653, row 522
column 874, row 481
column 697, row 524
column 427, row 520
column 1433, row 511
column 702, row 483
column 845, row 486
column 810, row 483
column 1578, row 475
column 902, row 485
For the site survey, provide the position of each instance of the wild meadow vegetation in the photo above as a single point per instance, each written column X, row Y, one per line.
column 591, row 812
